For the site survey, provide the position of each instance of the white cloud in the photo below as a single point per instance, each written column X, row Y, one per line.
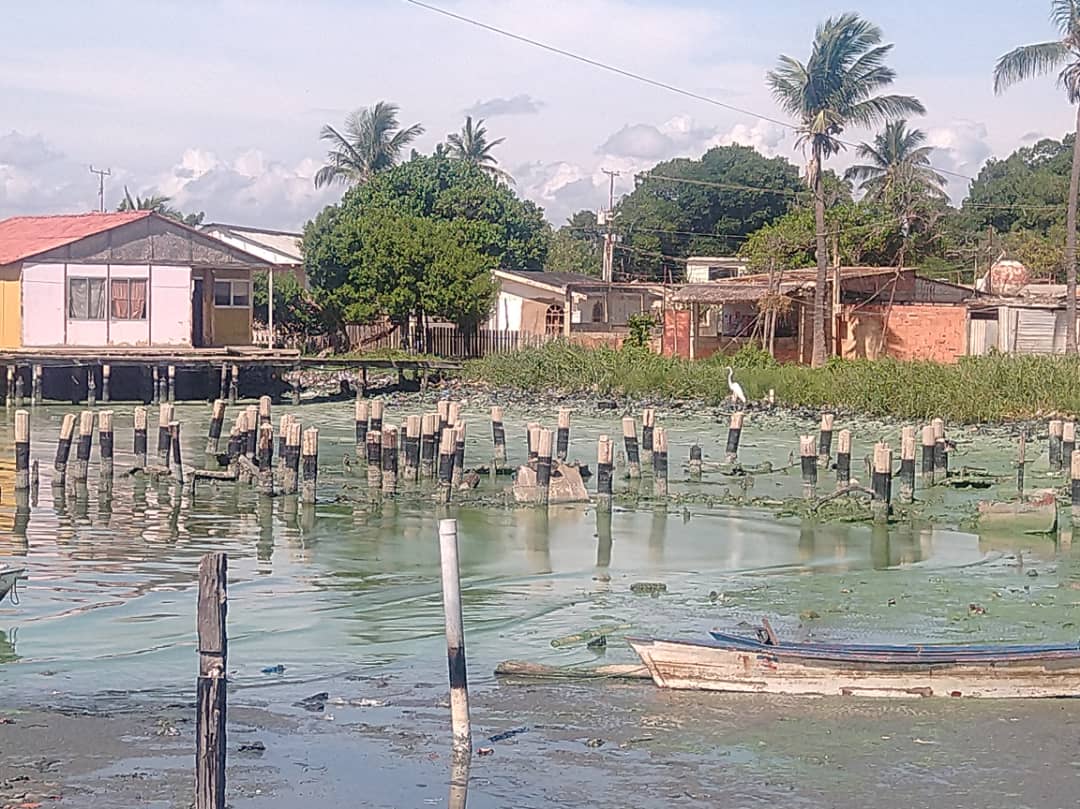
column 962, row 147
column 768, row 138
column 518, row 105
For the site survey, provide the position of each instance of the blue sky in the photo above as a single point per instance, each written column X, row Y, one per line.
column 219, row 102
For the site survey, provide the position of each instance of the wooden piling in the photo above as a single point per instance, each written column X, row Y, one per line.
column 443, row 410
column 178, row 471
column 695, row 463
column 237, row 441
column 223, row 382
column 283, row 436
column 562, row 437
column 22, row 451
column 633, row 458
column 217, row 418
column 1068, row 440
column 165, row 418
column 211, row 701
column 825, row 435
column 648, row 427
column 1056, row 430
column 412, row 448
column 20, row 385
column 234, row 384
column 291, row 469
column 35, row 389
column 361, row 415
column 389, row 460
column 91, row 387
column 171, row 371
column 545, row 441
column 106, row 443
column 734, row 435
column 155, row 389
column 843, row 459
column 907, row 465
column 532, row 436
column 378, row 407
column 458, row 474
column 881, row 481
column 929, row 446
column 63, row 448
column 266, row 459
column 605, row 457
column 309, row 465
column 266, row 406
column 251, row 432
column 35, row 481
column 455, row 641
column 446, row 465
column 106, row 374
column 1021, row 461
column 498, row 437
column 1074, row 474
column 9, row 389
column 429, row 428
column 660, row 463
column 81, row 469
column 453, row 413
column 295, row 385
column 808, row 465
column 941, row 451
column 139, row 442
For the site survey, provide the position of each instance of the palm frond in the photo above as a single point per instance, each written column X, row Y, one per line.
column 1065, row 14
column 1028, row 61
column 883, row 108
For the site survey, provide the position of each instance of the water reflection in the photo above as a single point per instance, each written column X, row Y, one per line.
column 603, row 538
column 7, row 646
column 459, row 782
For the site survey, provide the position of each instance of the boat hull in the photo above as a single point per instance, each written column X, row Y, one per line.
column 715, row 667
column 8, row 579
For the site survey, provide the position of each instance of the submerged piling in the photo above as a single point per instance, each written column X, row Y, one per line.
column 22, row 451
column 446, row 465
column 266, row 405
column 106, row 393
column 374, row 461
column 234, row 384
column 633, row 458
column 455, row 641
column 660, row 463
column 266, row 459
column 178, row 471
column 532, row 436
column 543, row 465
column 734, row 435
column 843, row 459
column 165, row 417
column 1056, row 429
column 217, row 418
column 309, row 465
column 695, row 463
column 882, row 481
column 63, row 448
column 360, row 419
column 498, row 437
column 290, row 477
column 429, row 428
column 929, row 446
column 171, row 371
column 106, row 443
column 459, row 455
column 1021, row 461
column 412, row 448
column 1068, row 441
column 648, row 429
column 389, row 460
column 907, row 465
column 1074, row 474
column 378, row 409
column 442, row 409
column 605, row 456
column 941, row 451
column 825, row 439
column 808, row 465
column 81, row 469
column 562, row 437
column 139, row 440
column 35, row 388
column 211, row 704
column 91, row 387
column 251, row 432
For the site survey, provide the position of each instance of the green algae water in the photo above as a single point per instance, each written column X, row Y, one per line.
column 111, row 597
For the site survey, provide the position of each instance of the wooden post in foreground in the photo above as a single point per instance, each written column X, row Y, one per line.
column 360, row 424
column 843, row 459
column 139, row 441
column 648, row 427
column 178, row 461
column 105, row 443
column 1056, row 429
column 881, row 482
column 825, row 439
column 734, row 434
column 1021, row 459
column 22, row 451
column 63, row 448
column 928, row 448
column 213, row 440
column 211, row 702
column 808, row 464
column 543, row 464
column 695, row 463
column 498, row 437
column 82, row 449
column 660, row 463
column 605, row 456
column 633, row 457
column 562, row 437
column 1074, row 474
column 907, row 465
column 455, row 640
column 309, row 466
column 1068, row 441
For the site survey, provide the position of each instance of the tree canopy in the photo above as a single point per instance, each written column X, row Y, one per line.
column 372, row 141
column 472, row 146
column 159, row 203
column 421, row 240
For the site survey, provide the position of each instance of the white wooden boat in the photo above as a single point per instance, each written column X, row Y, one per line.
column 9, row 577
column 749, row 665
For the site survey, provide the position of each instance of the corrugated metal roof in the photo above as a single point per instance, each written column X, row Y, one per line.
column 23, row 237
column 548, row 279
column 283, row 242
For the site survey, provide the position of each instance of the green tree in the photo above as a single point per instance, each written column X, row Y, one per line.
column 898, row 160
column 159, row 203
column 295, row 309
column 1062, row 55
column 473, row 146
column 372, row 142
column 419, row 241
column 833, row 90
column 705, row 207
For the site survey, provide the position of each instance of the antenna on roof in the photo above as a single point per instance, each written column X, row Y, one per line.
column 102, row 174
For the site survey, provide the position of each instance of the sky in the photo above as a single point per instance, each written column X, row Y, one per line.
column 218, row 103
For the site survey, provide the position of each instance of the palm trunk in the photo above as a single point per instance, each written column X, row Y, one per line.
column 1070, row 245
column 820, row 297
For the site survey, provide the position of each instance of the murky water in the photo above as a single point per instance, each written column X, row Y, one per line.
column 111, row 597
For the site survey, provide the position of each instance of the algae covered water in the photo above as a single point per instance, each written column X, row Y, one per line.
column 353, row 592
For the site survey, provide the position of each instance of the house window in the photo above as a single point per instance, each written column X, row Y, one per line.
column 598, row 312
column 553, row 323
column 86, row 298
column 128, row 299
column 232, row 294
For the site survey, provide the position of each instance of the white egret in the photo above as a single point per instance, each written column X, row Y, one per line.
column 737, row 394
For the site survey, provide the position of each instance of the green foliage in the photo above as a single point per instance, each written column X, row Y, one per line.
column 370, row 142
column 421, row 239
column 976, row 389
column 161, row 204
column 1042, row 254
column 472, row 146
column 295, row 309
column 570, row 252
column 678, row 219
column 640, row 328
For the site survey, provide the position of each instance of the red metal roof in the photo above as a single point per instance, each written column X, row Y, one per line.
column 22, row 237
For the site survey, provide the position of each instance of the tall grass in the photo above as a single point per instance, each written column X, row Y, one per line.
column 991, row 388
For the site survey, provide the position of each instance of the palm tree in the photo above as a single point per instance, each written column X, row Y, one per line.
column 833, row 90
column 899, row 161
column 1029, row 61
column 472, row 146
column 159, row 203
column 372, row 142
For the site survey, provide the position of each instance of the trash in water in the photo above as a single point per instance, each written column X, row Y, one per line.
column 508, row 734
column 597, row 643
column 648, row 587
column 252, row 747
column 316, row 702
column 278, row 669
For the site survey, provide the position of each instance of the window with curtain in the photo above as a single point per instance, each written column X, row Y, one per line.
column 232, row 294
column 86, row 298
column 128, row 299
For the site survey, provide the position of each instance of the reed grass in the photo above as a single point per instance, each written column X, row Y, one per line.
column 976, row 389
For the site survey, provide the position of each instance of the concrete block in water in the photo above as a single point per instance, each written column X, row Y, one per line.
column 566, row 485
column 1037, row 515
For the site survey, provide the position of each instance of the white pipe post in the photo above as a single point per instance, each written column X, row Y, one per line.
column 455, row 640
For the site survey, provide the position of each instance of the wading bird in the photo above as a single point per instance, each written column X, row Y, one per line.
column 737, row 394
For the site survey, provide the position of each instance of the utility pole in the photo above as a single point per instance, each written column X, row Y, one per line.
column 102, row 174
column 608, row 219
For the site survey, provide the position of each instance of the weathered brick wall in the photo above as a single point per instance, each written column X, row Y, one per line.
column 915, row 332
